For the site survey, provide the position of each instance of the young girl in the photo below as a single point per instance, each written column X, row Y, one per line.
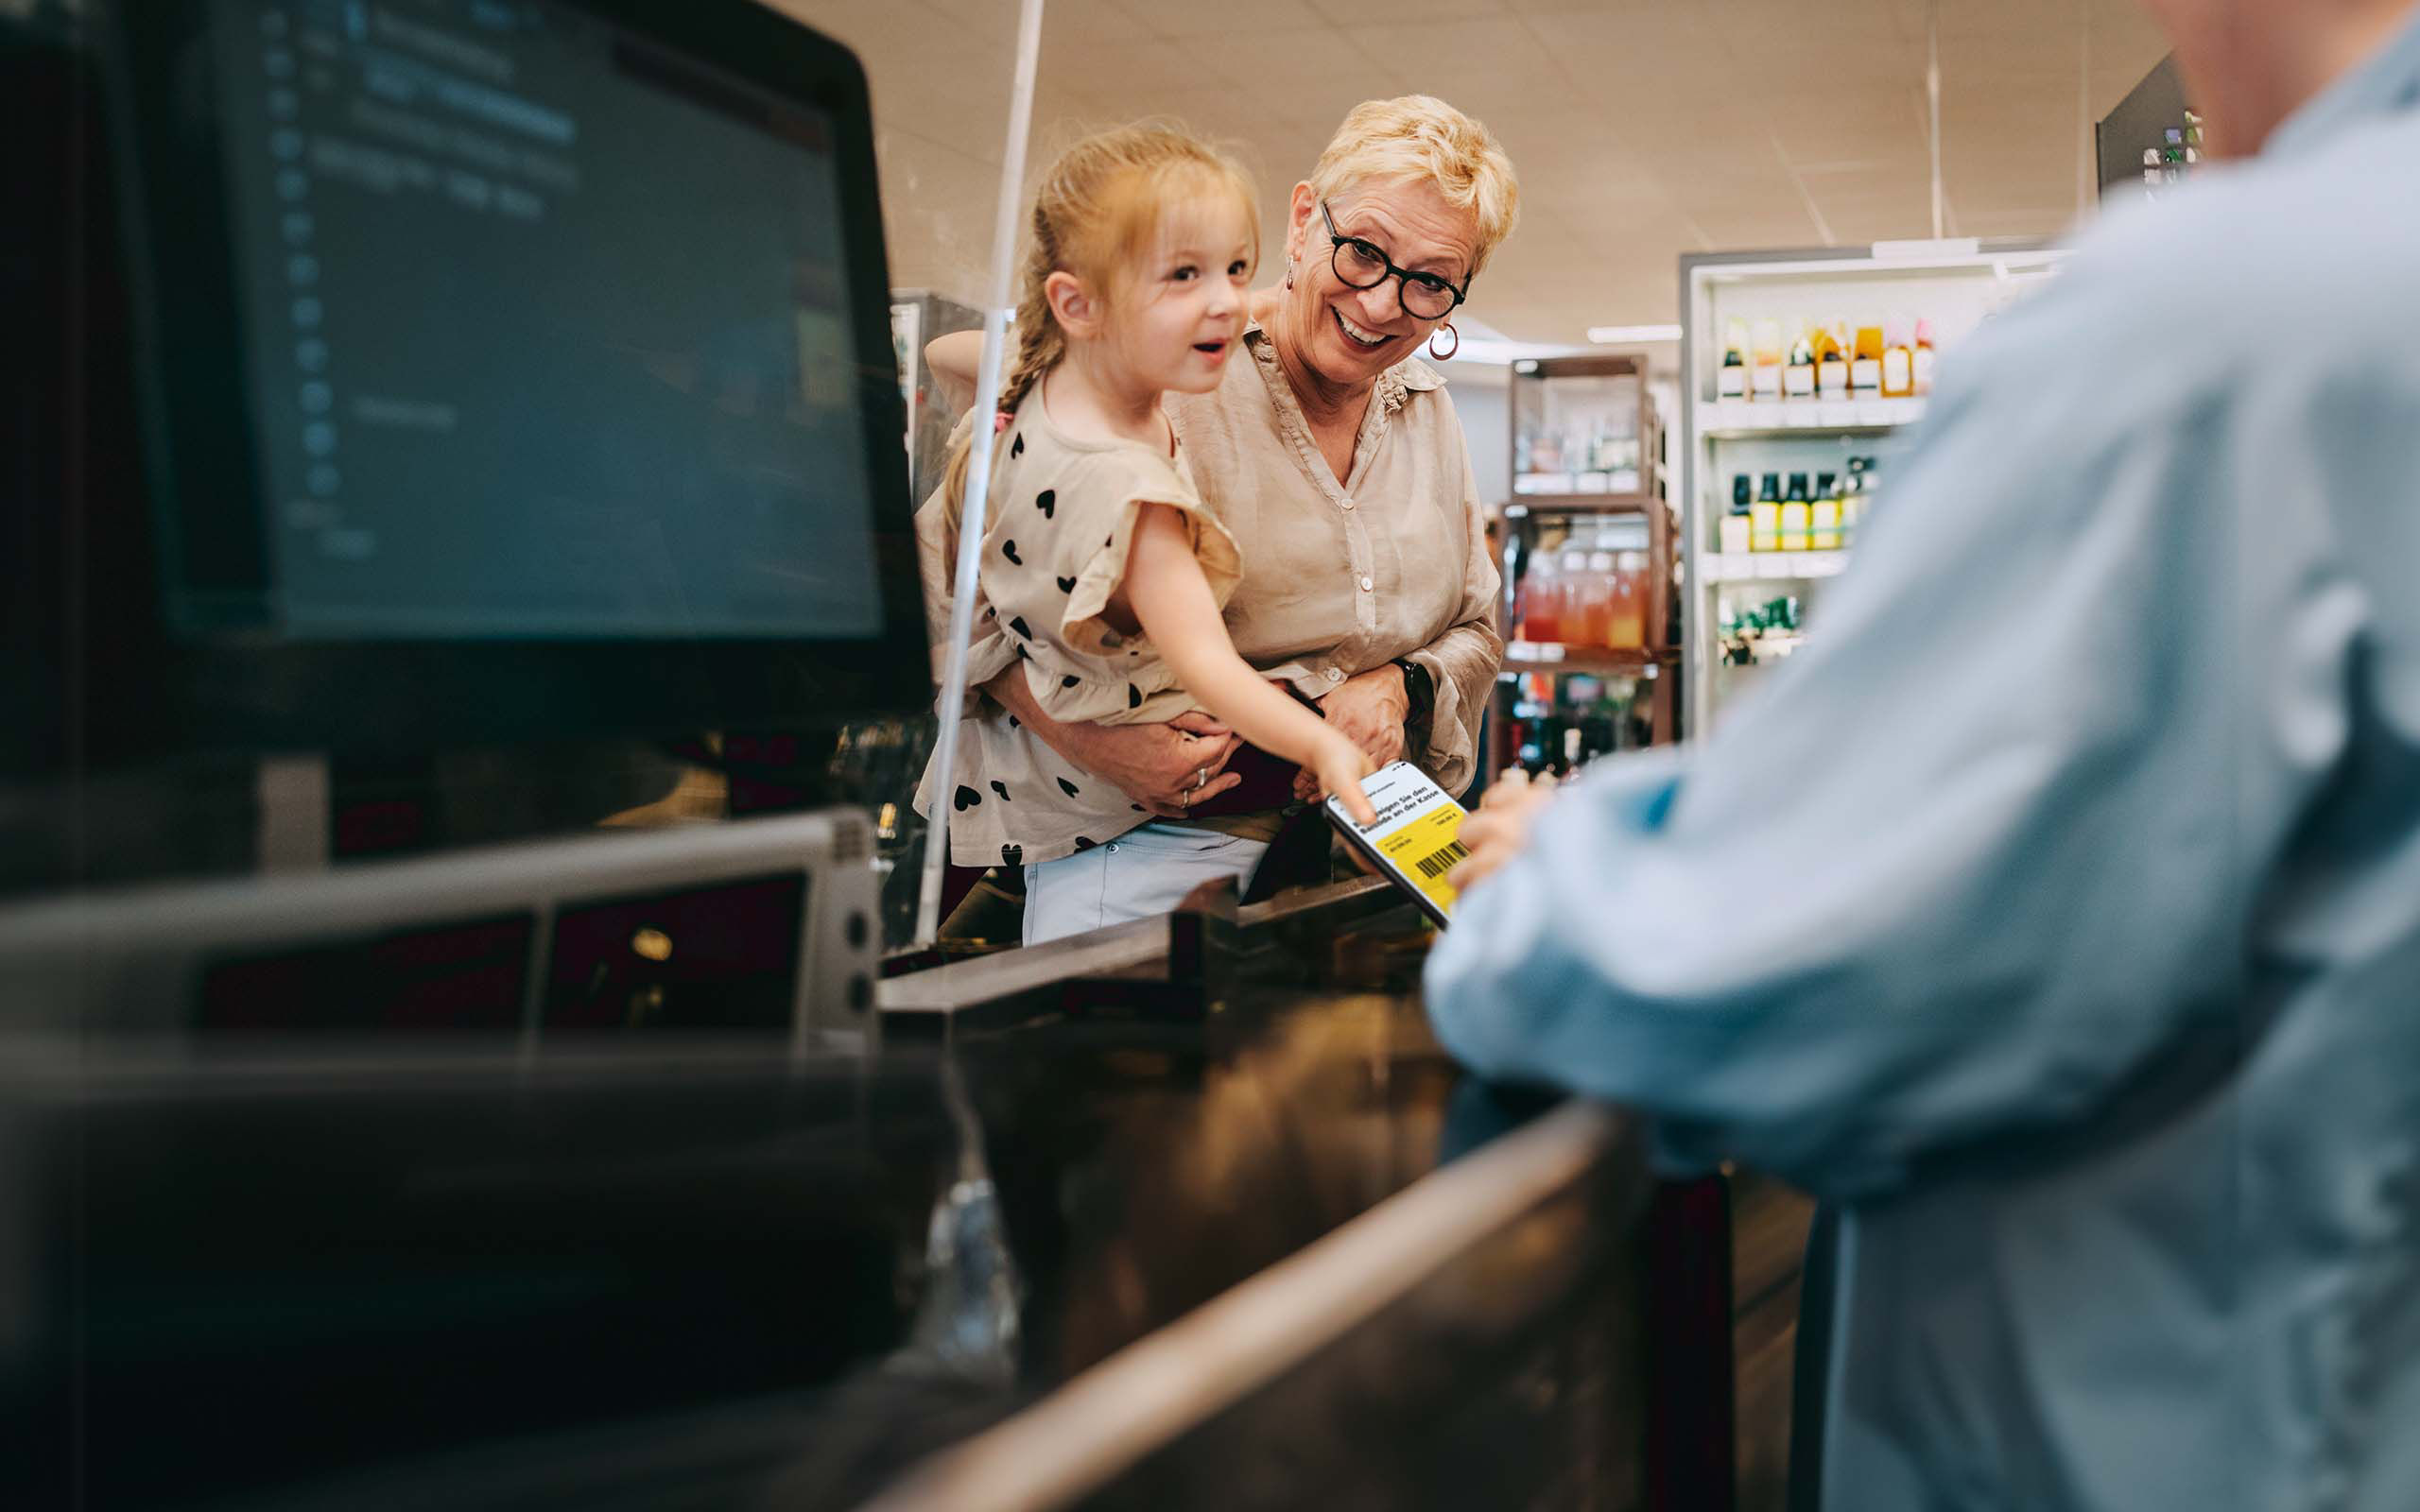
column 1100, row 564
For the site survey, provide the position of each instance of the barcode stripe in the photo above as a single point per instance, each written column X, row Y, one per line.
column 1442, row 861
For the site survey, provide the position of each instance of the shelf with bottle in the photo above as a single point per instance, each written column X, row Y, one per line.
column 1591, row 591
column 1762, row 633
column 1828, row 376
column 1554, row 656
column 1801, row 531
column 1583, row 427
column 1560, row 724
column 1732, row 420
column 1576, row 460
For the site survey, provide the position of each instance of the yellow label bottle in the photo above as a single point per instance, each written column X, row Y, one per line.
column 1764, row 515
column 1795, row 513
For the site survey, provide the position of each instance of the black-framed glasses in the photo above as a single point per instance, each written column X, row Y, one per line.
column 1362, row 266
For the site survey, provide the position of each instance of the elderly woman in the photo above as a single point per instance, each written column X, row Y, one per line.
column 1333, row 454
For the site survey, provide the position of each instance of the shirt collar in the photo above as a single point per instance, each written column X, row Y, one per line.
column 1411, row 374
column 2388, row 83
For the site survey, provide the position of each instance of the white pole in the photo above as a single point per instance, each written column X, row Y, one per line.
column 1932, row 95
column 979, row 470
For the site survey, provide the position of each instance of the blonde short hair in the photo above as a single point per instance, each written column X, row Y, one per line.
column 1419, row 138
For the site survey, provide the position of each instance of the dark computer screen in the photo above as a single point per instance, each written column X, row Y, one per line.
column 545, row 334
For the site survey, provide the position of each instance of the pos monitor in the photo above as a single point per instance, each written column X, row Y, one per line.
column 507, row 369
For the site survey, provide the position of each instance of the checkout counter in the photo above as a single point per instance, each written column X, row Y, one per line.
column 1190, row 1212
column 353, row 1157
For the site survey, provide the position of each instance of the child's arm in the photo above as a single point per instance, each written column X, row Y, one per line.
column 954, row 359
column 1171, row 601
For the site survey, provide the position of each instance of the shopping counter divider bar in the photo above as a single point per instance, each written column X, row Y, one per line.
column 1147, row 1396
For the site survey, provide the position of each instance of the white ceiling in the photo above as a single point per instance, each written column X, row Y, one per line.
column 1641, row 128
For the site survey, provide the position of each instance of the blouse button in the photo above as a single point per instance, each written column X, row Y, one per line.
column 1348, row 504
column 1365, row 585
column 1336, row 674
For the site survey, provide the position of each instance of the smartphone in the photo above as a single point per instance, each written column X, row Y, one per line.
column 1417, row 838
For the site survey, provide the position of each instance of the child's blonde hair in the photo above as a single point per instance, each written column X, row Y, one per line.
column 1095, row 214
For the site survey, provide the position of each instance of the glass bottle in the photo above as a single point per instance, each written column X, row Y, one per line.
column 1898, row 362
column 1579, row 606
column 1626, row 615
column 1927, row 360
column 1798, row 376
column 1731, row 382
column 1795, row 508
column 1764, row 515
column 1540, row 617
column 1824, row 516
column 1832, row 361
column 1734, row 534
column 1597, row 597
column 1765, row 382
column 1865, row 363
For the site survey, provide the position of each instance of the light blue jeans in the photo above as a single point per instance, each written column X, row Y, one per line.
column 1140, row 874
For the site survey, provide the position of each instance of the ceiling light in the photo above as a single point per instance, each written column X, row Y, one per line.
column 1633, row 335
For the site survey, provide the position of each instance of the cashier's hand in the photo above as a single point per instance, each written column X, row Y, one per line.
column 1368, row 710
column 1498, row 829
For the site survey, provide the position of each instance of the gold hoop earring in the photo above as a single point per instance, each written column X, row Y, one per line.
column 1448, row 354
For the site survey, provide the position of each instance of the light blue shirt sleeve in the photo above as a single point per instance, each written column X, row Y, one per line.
column 1992, row 839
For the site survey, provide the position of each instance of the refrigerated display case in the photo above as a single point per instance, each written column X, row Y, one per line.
column 1588, row 552
column 1800, row 371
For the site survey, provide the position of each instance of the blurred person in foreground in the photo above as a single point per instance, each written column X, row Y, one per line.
column 2098, row 1016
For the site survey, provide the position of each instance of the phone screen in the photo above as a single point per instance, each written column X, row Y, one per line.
column 1416, row 840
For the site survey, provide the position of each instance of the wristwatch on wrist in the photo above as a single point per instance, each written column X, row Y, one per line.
column 1418, row 691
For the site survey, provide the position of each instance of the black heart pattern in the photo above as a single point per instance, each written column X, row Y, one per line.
column 1021, row 650
column 1070, row 681
column 1018, row 625
column 1013, row 722
column 1047, row 502
column 1012, row 855
column 967, row 797
column 1002, row 788
column 1067, row 585
column 1016, row 446
column 1083, row 844
column 1067, row 787
column 1009, row 549
column 1134, row 696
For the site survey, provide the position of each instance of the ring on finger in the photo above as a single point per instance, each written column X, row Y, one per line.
column 1200, row 778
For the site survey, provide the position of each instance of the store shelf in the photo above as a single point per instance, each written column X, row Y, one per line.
column 1770, row 566
column 1596, row 661
column 1563, row 504
column 1736, row 419
column 1624, row 484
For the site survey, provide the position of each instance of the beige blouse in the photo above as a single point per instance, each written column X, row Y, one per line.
column 1337, row 580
